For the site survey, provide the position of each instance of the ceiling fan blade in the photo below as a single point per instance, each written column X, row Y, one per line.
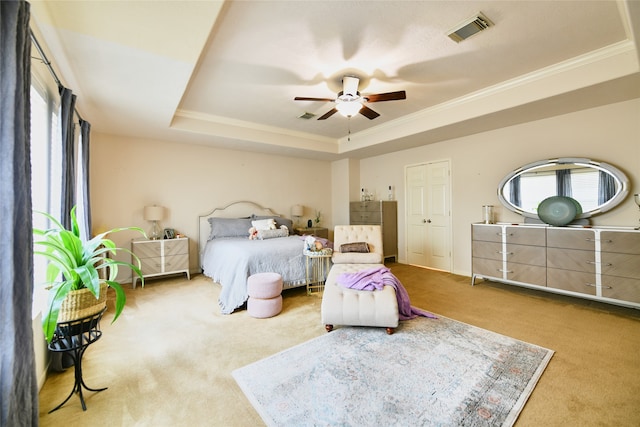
column 328, row 114
column 389, row 96
column 302, row 98
column 368, row 112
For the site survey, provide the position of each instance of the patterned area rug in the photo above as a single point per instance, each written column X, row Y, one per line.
column 429, row 373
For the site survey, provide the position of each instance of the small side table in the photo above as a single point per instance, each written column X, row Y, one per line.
column 75, row 337
column 317, row 266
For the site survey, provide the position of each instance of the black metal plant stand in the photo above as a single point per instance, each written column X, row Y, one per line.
column 74, row 337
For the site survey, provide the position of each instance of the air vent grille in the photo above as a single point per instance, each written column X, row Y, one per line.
column 470, row 27
column 307, row 116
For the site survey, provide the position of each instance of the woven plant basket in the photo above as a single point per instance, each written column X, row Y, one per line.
column 82, row 303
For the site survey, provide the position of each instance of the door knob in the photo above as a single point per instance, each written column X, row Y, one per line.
column 426, row 220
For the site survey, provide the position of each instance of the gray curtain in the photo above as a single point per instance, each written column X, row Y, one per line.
column 85, row 131
column 19, row 389
column 67, row 108
column 606, row 187
column 563, row 182
column 514, row 193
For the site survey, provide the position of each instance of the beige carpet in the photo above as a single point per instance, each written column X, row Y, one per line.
column 168, row 360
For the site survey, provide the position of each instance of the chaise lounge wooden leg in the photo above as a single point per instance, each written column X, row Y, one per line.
column 390, row 331
column 329, row 328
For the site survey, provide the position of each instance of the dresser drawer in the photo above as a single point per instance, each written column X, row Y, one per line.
column 366, row 218
column 621, row 288
column 486, row 233
column 571, row 259
column 148, row 249
column 365, row 206
column 523, row 254
column 488, row 250
column 624, row 265
column 573, row 281
column 487, row 267
column 177, row 246
column 176, row 262
column 627, row 243
column 526, row 236
column 527, row 274
column 151, row 265
column 571, row 239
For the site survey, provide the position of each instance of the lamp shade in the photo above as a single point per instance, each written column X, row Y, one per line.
column 297, row 210
column 153, row 213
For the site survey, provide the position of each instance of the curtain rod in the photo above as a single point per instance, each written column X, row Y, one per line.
column 46, row 62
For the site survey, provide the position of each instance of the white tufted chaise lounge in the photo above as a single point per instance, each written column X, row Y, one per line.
column 343, row 306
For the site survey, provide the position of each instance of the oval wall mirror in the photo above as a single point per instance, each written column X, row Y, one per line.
column 597, row 186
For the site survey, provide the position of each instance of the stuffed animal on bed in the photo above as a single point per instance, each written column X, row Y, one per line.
column 253, row 233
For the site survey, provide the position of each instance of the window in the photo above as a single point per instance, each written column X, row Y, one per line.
column 45, row 188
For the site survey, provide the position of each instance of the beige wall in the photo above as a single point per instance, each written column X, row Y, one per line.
column 189, row 180
column 610, row 134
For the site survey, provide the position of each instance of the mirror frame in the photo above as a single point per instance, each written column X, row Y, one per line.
column 618, row 175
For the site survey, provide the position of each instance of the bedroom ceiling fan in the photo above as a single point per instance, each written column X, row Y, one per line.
column 349, row 102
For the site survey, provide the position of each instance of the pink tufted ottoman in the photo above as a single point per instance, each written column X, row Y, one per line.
column 265, row 299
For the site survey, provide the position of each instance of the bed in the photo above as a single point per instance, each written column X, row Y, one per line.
column 229, row 257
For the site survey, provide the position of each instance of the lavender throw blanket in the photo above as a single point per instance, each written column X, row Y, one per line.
column 374, row 279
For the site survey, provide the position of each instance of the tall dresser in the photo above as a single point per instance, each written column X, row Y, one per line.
column 379, row 212
column 599, row 263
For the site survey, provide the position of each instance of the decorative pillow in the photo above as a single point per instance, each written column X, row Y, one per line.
column 280, row 221
column 270, row 234
column 229, row 227
column 360, row 247
column 264, row 224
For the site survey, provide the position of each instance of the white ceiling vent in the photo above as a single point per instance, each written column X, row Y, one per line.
column 469, row 27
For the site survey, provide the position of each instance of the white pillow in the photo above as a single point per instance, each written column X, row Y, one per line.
column 264, row 224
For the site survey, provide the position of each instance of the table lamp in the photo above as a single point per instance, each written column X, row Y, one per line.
column 154, row 214
column 297, row 211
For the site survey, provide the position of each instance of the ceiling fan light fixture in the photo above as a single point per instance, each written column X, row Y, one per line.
column 348, row 108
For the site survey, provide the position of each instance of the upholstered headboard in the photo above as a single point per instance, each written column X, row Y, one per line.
column 241, row 209
column 371, row 234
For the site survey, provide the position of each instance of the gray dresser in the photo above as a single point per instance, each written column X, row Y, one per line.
column 379, row 212
column 599, row 263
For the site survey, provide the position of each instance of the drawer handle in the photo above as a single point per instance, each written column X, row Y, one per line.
column 501, row 252
column 504, row 234
column 593, row 286
column 503, row 271
column 594, row 263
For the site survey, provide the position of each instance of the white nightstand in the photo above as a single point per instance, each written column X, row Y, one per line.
column 161, row 257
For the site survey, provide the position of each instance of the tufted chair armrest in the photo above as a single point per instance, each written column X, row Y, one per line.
column 371, row 234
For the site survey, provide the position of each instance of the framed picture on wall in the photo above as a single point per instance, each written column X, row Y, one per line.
column 169, row 233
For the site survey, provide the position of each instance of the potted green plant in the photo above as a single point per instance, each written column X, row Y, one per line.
column 73, row 269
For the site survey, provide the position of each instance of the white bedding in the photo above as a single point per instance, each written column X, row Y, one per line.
column 230, row 261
